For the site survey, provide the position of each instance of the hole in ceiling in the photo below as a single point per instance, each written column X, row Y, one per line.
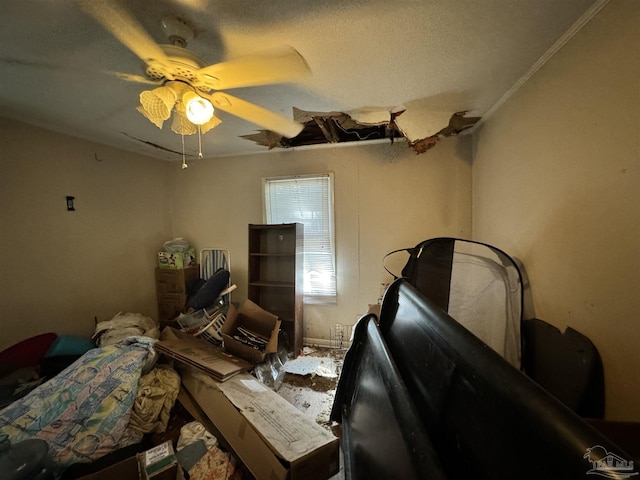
column 340, row 127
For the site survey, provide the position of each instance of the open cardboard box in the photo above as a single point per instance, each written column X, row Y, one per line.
column 257, row 320
column 157, row 463
column 124, row 470
column 273, row 439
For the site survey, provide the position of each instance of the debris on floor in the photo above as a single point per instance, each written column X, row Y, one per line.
column 311, row 365
column 311, row 380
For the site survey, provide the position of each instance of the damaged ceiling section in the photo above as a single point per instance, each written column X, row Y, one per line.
column 421, row 127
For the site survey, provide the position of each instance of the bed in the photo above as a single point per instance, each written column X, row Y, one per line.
column 98, row 404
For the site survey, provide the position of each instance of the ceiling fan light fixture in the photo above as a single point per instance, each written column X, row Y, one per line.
column 214, row 122
column 159, row 102
column 198, row 110
column 157, row 121
column 181, row 124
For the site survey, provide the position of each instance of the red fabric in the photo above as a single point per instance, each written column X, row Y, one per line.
column 29, row 352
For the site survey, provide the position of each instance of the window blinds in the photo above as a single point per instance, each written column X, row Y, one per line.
column 307, row 200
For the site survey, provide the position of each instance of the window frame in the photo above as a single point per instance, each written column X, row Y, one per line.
column 311, row 297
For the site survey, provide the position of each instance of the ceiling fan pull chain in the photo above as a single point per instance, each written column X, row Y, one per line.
column 199, row 142
column 184, row 158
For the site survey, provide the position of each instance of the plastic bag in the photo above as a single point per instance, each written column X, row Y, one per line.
column 271, row 371
column 176, row 245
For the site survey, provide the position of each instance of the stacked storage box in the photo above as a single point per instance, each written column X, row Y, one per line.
column 172, row 287
column 177, row 259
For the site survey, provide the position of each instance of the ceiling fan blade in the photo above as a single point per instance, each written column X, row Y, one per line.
column 277, row 66
column 130, row 77
column 122, row 25
column 255, row 114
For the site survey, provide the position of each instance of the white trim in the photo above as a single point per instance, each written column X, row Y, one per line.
column 353, row 143
column 566, row 36
column 321, row 342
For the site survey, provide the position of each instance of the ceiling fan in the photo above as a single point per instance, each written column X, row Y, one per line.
column 189, row 88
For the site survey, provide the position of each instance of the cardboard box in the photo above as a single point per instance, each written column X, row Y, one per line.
column 170, row 305
column 200, row 354
column 255, row 319
column 273, row 439
column 173, row 298
column 124, row 470
column 157, row 463
column 176, row 280
column 167, row 312
column 177, row 260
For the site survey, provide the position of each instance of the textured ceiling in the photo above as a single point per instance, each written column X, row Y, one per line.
column 447, row 55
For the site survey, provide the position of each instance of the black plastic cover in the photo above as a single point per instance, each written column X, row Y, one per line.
column 380, row 424
column 421, row 383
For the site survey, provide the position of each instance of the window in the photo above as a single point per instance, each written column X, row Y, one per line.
column 307, row 199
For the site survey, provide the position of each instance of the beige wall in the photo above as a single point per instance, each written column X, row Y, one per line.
column 386, row 197
column 556, row 182
column 61, row 269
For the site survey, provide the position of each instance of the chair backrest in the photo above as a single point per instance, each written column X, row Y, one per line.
column 477, row 284
column 565, row 364
column 211, row 261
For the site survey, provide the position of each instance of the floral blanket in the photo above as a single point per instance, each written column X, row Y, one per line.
column 83, row 412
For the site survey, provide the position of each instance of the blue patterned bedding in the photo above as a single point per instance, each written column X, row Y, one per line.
column 84, row 411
